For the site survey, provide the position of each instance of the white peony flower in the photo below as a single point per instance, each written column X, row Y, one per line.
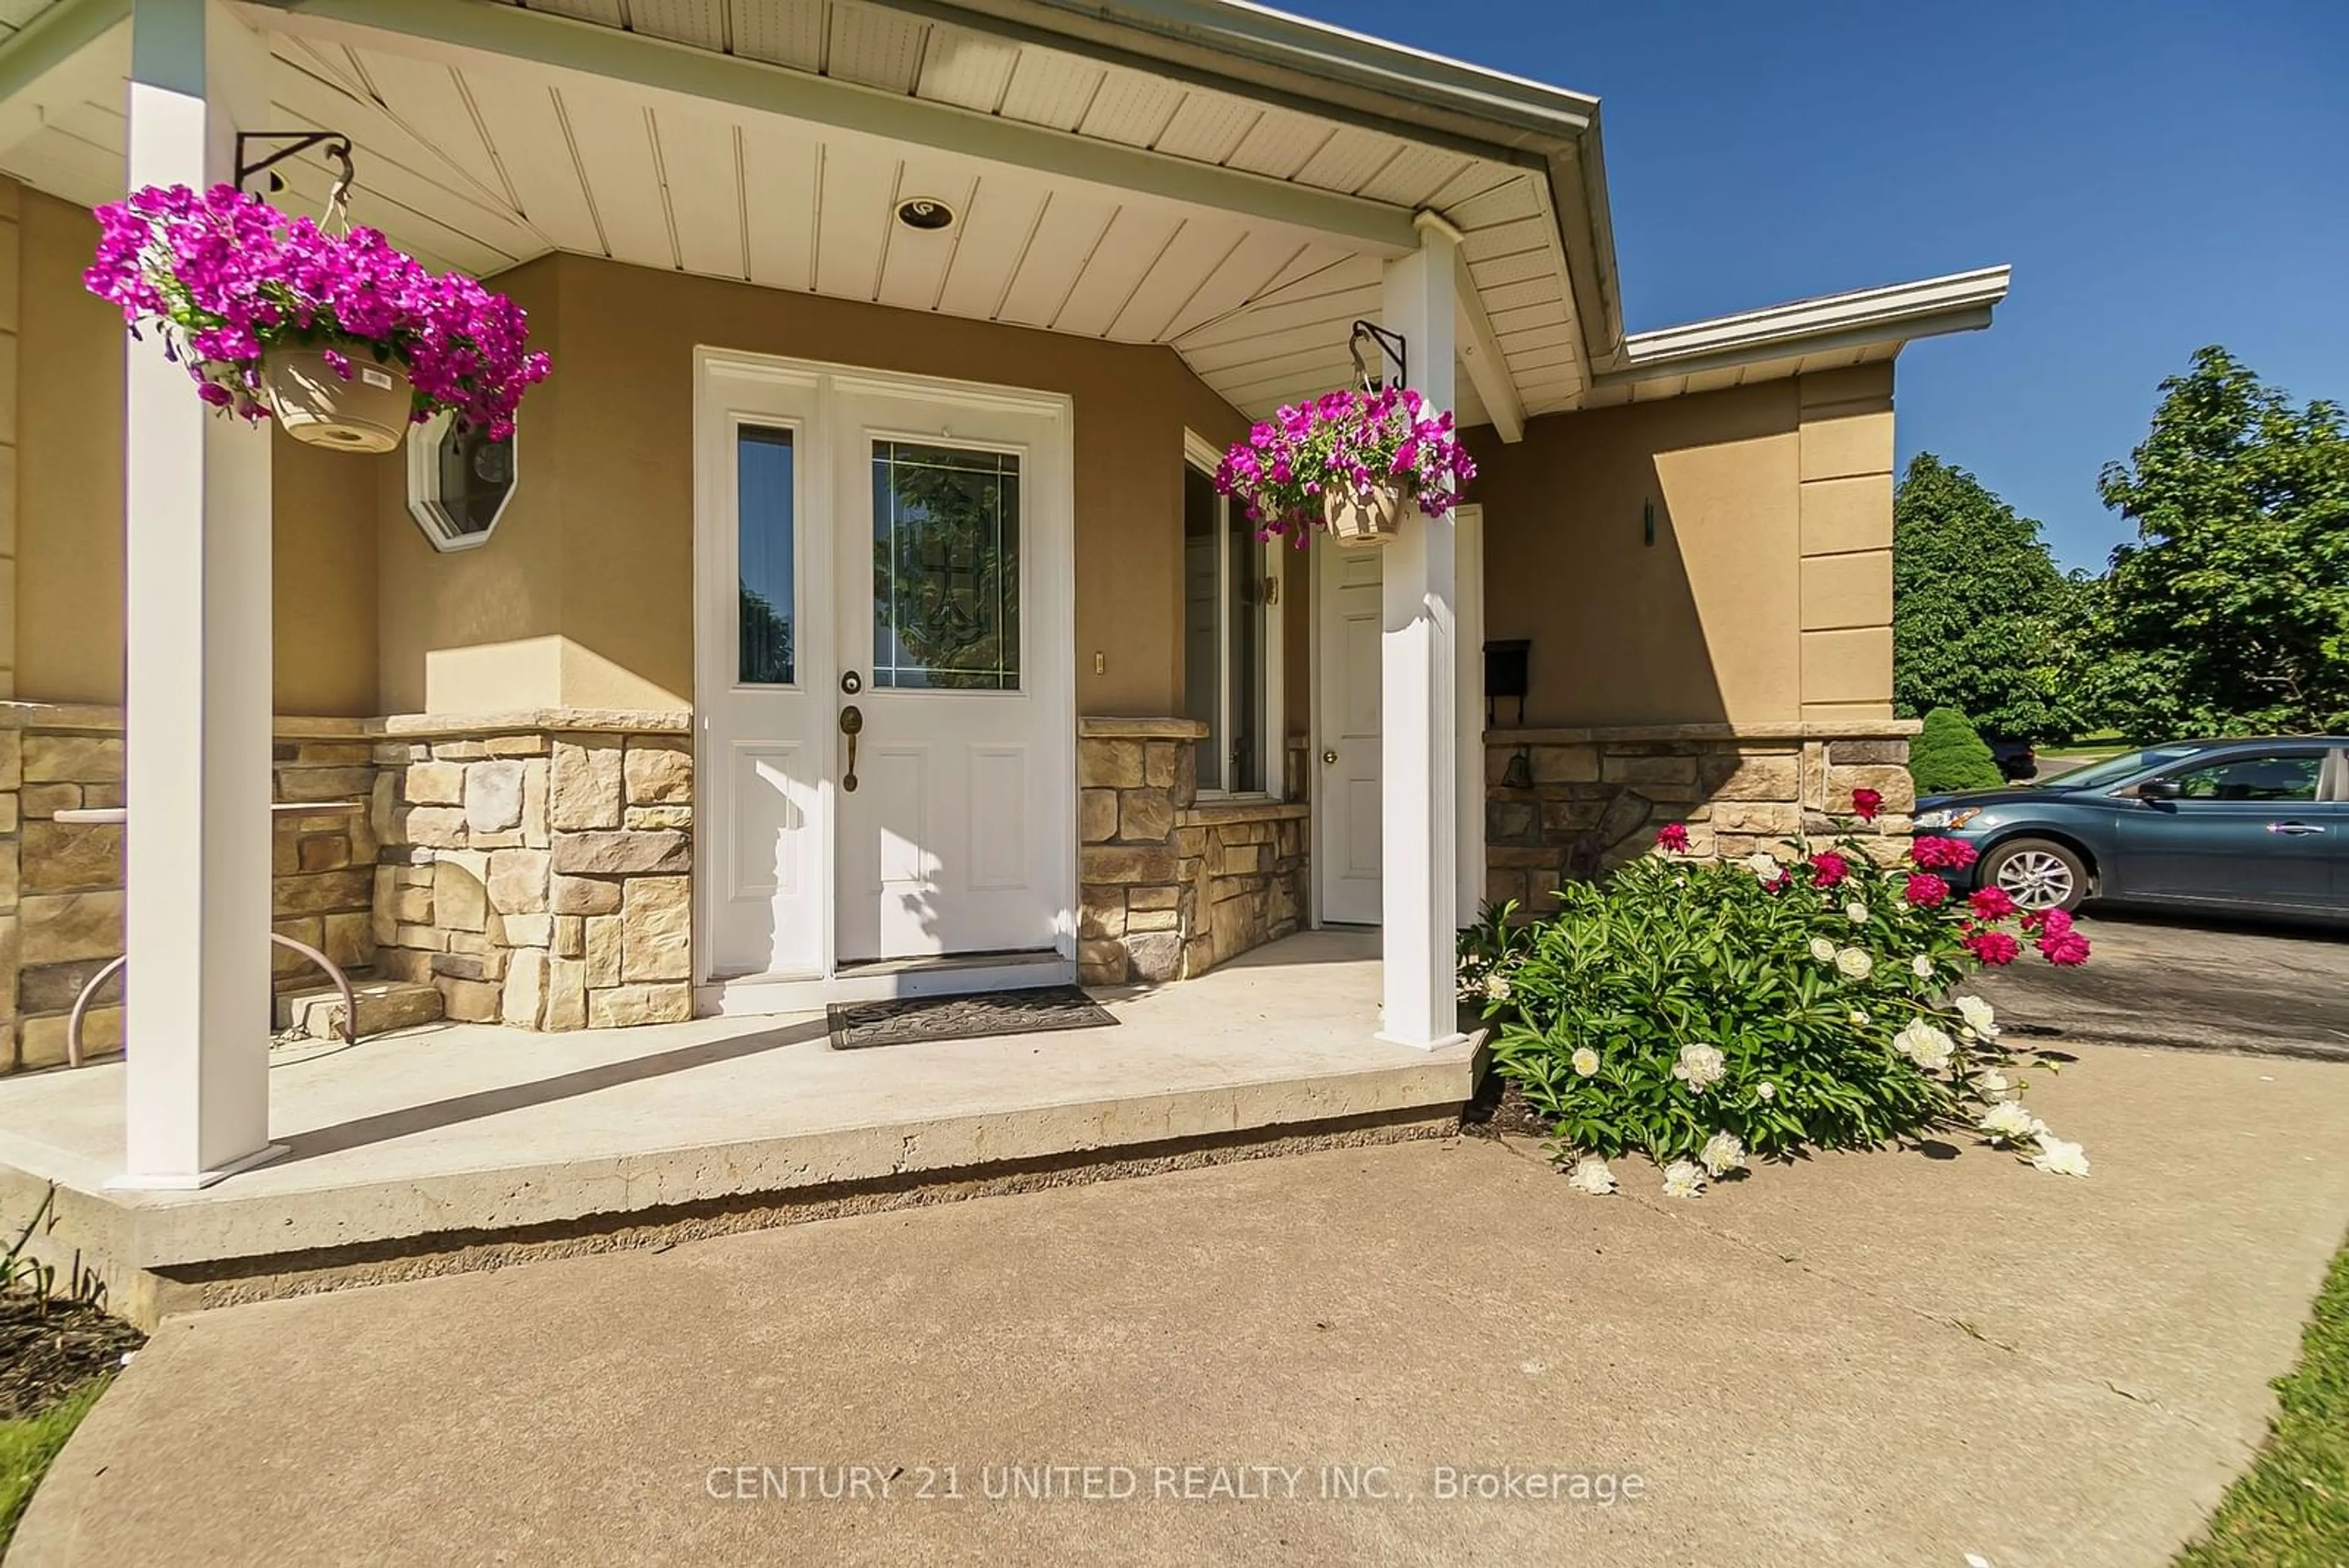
column 1921, row 967
column 1586, row 1061
column 1701, row 1067
column 2059, row 1158
column 1762, row 864
column 1497, row 986
column 1925, row 1046
column 1822, row 949
column 1978, row 1016
column 1722, row 1154
column 1856, row 912
column 1859, row 1018
column 1683, row 1180
column 1591, row 1175
column 2009, row 1119
column 1854, row 964
column 1767, row 1091
column 1991, row 1083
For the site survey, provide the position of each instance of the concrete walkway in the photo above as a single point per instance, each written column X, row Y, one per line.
column 1895, row 1358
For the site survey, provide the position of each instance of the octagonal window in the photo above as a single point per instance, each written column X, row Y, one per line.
column 459, row 481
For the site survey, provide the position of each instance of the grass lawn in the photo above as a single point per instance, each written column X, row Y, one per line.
column 28, row 1445
column 2291, row 1508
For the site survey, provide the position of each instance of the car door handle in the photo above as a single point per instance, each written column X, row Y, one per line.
column 2293, row 829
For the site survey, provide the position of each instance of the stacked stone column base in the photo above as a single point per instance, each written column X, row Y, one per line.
column 539, row 876
column 1173, row 886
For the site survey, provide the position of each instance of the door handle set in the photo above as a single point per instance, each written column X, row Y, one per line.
column 2293, row 829
column 852, row 722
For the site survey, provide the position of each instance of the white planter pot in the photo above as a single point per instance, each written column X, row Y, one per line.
column 366, row 413
column 1357, row 519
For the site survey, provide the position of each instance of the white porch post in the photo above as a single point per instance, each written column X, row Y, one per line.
column 198, row 682
column 1419, row 741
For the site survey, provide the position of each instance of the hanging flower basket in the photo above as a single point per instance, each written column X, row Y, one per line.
column 1346, row 464
column 343, row 338
column 363, row 407
column 1358, row 518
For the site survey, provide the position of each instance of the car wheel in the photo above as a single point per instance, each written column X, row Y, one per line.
column 2037, row 874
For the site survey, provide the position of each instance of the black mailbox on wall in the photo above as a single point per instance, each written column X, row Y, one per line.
column 1505, row 675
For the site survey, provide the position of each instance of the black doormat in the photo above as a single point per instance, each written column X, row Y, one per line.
column 856, row 1025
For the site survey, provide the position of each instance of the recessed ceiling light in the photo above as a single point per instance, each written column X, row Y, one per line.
column 925, row 213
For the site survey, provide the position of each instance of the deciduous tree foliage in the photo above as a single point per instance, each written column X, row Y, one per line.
column 2231, row 611
column 1979, row 609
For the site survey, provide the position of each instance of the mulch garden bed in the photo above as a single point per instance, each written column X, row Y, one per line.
column 49, row 1349
column 1500, row 1110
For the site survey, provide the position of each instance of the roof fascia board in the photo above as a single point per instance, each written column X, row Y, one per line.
column 1872, row 317
column 595, row 50
column 1246, row 47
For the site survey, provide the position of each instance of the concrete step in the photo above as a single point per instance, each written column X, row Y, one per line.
column 384, row 1004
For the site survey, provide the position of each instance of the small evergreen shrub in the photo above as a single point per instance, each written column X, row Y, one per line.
column 1702, row 1012
column 1950, row 756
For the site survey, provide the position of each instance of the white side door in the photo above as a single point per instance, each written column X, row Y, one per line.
column 1350, row 612
column 1346, row 847
column 763, row 662
column 953, row 625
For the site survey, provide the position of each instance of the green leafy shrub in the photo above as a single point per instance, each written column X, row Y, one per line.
column 1949, row 756
column 1702, row 1011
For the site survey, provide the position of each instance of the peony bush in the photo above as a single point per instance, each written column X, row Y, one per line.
column 225, row 277
column 1708, row 1013
column 1351, row 438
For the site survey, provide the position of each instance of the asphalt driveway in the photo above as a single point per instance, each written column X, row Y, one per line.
column 1359, row 1356
column 2161, row 980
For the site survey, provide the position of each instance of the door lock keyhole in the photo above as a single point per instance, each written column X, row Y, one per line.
column 852, row 722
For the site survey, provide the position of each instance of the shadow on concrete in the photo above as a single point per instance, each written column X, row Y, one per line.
column 461, row 1108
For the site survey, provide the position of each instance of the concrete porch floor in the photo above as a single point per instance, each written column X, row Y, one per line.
column 467, row 1147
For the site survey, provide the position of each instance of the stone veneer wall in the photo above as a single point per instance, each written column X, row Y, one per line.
column 537, row 869
column 1172, row 888
column 61, row 883
column 1599, row 795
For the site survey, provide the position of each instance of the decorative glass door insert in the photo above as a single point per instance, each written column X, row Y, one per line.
column 945, row 568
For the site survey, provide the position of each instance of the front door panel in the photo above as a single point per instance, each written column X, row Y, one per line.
column 947, row 844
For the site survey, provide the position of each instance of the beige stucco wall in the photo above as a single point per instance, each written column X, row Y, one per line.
column 586, row 596
column 1767, row 595
column 69, row 499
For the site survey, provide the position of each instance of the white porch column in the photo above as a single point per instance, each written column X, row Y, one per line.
column 197, row 691
column 1419, row 740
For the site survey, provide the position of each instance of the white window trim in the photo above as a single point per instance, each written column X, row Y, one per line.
column 425, row 507
column 1203, row 454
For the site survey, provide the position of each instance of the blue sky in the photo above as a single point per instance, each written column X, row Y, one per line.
column 2160, row 175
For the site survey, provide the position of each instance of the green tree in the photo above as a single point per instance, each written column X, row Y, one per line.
column 1949, row 755
column 2231, row 611
column 1978, row 608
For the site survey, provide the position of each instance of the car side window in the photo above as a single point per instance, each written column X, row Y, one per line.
column 2290, row 777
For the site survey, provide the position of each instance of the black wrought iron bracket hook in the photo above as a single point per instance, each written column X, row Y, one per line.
column 1389, row 345
column 338, row 146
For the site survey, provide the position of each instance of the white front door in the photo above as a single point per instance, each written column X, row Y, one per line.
column 1350, row 609
column 895, row 557
column 948, row 833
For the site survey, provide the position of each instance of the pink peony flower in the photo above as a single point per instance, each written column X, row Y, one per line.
column 1996, row 949
column 2067, row 948
column 1829, row 869
column 1991, row 903
column 1672, row 836
column 1926, row 890
column 1941, row 854
column 1866, row 804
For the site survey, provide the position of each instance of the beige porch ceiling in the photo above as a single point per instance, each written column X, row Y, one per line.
column 482, row 160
